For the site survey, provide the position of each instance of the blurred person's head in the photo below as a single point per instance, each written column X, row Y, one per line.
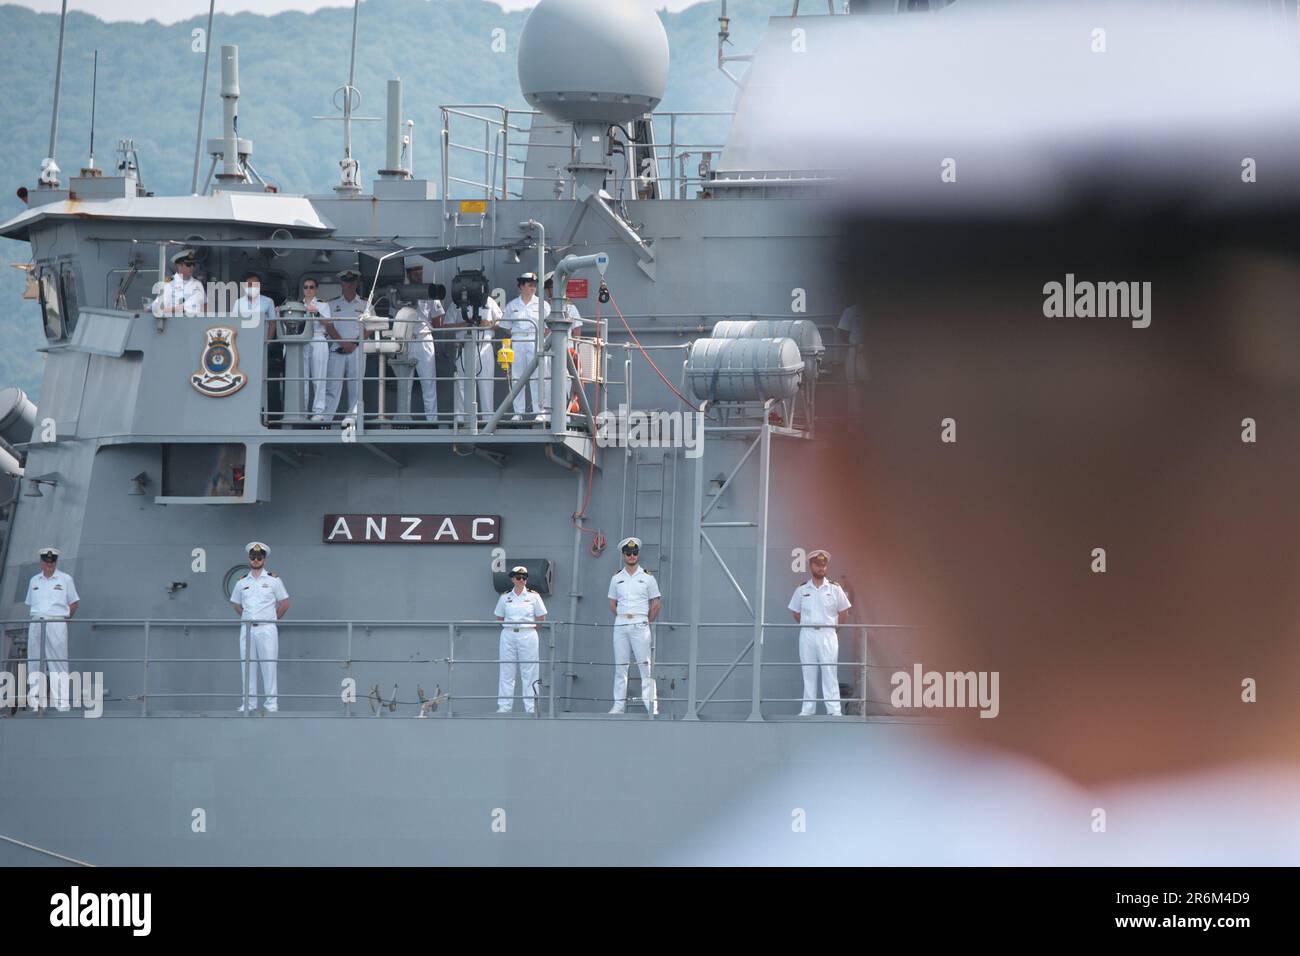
column 1077, row 434
column 1071, row 435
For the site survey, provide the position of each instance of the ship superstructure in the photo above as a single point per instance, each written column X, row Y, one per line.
column 684, row 413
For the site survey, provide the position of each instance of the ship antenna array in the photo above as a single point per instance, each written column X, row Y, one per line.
column 349, row 167
column 94, row 88
column 724, row 38
column 49, row 177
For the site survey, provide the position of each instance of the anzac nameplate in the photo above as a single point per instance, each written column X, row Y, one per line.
column 412, row 529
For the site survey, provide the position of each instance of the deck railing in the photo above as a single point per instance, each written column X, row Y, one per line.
column 449, row 677
column 494, row 136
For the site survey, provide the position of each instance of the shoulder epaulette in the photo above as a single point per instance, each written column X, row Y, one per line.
column 273, row 574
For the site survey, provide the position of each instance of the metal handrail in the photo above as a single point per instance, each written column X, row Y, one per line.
column 496, row 119
column 551, row 662
column 400, row 367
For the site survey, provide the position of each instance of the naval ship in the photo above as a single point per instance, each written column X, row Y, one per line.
column 684, row 411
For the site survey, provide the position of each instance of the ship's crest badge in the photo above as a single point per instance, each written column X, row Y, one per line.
column 218, row 374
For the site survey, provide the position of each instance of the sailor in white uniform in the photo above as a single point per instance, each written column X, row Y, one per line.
column 347, row 357
column 183, row 295
column 634, row 599
column 520, row 319
column 518, row 609
column 259, row 596
column 316, row 355
column 421, row 347
column 51, row 598
column 474, row 360
column 819, row 606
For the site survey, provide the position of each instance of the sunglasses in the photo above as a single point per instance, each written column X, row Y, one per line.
column 631, row 550
column 311, row 286
column 257, row 557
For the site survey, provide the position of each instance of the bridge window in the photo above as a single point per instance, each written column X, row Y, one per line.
column 71, row 303
column 204, row 470
column 51, row 305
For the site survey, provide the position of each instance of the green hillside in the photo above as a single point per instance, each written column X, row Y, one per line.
column 290, row 65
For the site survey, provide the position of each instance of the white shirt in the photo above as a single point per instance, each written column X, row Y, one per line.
column 428, row 309
column 1239, row 815
column 50, row 597
column 317, row 328
column 257, row 594
column 634, row 592
column 343, row 312
column 521, row 319
column 520, row 610
column 183, row 296
column 819, row 606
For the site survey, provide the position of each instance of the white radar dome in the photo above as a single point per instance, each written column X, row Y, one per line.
column 593, row 61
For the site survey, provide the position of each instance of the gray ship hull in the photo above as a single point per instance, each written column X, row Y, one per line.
column 381, row 792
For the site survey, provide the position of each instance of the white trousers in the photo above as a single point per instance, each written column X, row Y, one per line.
column 819, row 650
column 52, row 652
column 265, row 650
column 517, row 647
column 422, row 352
column 632, row 642
column 344, row 369
column 539, row 385
column 474, row 362
column 316, row 360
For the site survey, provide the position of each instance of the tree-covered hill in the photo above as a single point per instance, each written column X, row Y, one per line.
column 290, row 65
